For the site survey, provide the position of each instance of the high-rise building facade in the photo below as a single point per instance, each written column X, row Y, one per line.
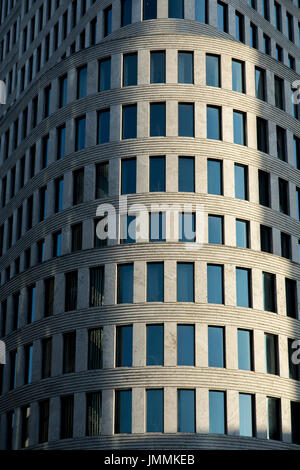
column 182, row 113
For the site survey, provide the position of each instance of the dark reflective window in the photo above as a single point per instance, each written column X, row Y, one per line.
column 185, row 67
column 130, row 69
column 264, row 188
column 239, row 27
column 97, row 286
column 69, row 351
column 247, row 414
column 243, row 287
column 185, row 282
column 128, row 176
column 279, row 92
column 216, row 347
column 129, row 122
column 291, row 297
column 186, row 119
column 186, row 411
column 157, row 119
column 66, row 417
column 186, row 174
column 277, row 14
column 269, row 292
column 157, row 227
column 283, row 196
column 123, row 411
column 107, row 17
column 103, row 126
column 95, row 349
column 245, row 350
column 253, row 36
column 104, row 74
column 273, row 418
column 28, row 350
column 71, row 291
column 286, row 248
column 215, row 293
column 155, row 410
column 214, row 125
column 187, row 231
column 201, row 11
column 294, row 368
column 81, row 82
column 217, row 412
column 125, row 284
column 214, row 177
column 80, row 134
column 295, row 416
column 271, row 354
column 93, row 413
column 222, row 16
column 297, row 152
column 128, row 229
column 262, row 135
column 260, row 84
column 215, row 229
column 63, row 84
column 241, row 181
column 281, row 143
column 239, row 128
column 157, row 67
column 238, row 76
column 150, row 9
column 155, row 345
column 176, row 8
column 213, row 75
column 155, row 282
column 102, row 180
column 61, row 140
column 124, row 346
column 126, row 9
column 266, row 243
column 185, row 345
column 242, row 234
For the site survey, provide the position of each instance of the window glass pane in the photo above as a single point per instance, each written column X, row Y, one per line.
column 157, row 119
column 215, row 284
column 273, row 418
column 266, row 239
column 245, row 349
column 102, row 180
column 186, row 119
column 185, row 345
column 185, row 282
column 239, row 125
column 201, row 11
column 242, row 234
column 294, row 368
column 61, row 139
column 217, row 412
column 80, row 133
column 123, row 411
column 243, row 295
column 271, row 353
column 213, row 70
column 155, row 282
column 125, row 283
column 222, row 12
column 246, row 414
column 260, row 84
column 129, row 122
column 128, row 184
column 187, row 227
column 269, row 292
column 103, row 126
column 157, row 227
column 155, row 345
column 176, row 8
column 130, row 70
column 155, row 410
column 93, row 414
column 262, row 135
column 213, row 123
column 96, row 286
column 105, row 66
column 157, row 174
column 95, row 349
column 214, row 177
column 295, row 415
column 291, row 297
column 185, row 67
column 126, row 7
column 216, row 347
column 158, row 67
column 124, row 346
column 238, row 76
column 215, row 229
column 186, row 411
column 107, row 21
column 150, row 9
column 186, row 174
column 82, row 82
column 128, row 229
column 264, row 188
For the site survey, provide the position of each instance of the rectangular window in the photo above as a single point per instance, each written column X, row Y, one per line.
column 266, row 9
column 47, row 101
column 61, row 141
column 186, row 120
column 28, row 350
column 157, row 67
column 126, row 9
column 128, row 176
column 291, row 298
column 43, row 420
column 215, row 229
column 214, row 122
column 186, row 410
column 78, row 186
column 155, row 282
column 93, row 414
column 201, row 11
column 127, row 229
column 176, row 9
column 216, row 346
column 129, row 121
column 290, row 26
column 239, row 27
column 124, row 346
column 238, row 76
column 149, row 9
column 130, row 68
column 69, row 349
column 103, row 126
column 215, row 294
column 97, row 286
column 71, row 287
column 242, row 234
column 185, row 345
column 16, row 310
column 281, row 143
column 262, row 135
column 222, row 16
column 25, row 420
column 241, row 181
column 283, row 196
column 185, row 282
column 155, row 345
column 247, row 414
column 245, row 350
column 157, row 174
column 186, row 174
column 58, row 200
column 286, row 248
column 80, row 133
column 30, row 303
column 93, row 31
column 279, row 92
column 239, row 128
column 187, row 223
column 185, row 67
column 57, row 244
column 277, row 14
column 123, row 411
column 157, row 119
column 253, row 36
column 271, row 354
column 264, row 188
column 107, row 20
column 66, row 417
column 217, row 412
column 295, row 417
column 266, row 242
column 155, row 410
column 102, row 180
column 273, row 418
column 46, row 357
column 76, row 237
column 267, row 44
column 45, row 150
column 269, row 292
column 243, row 287
column 213, row 70
column 294, row 369
column 260, row 84
column 95, row 349
column 125, row 284
column 104, row 74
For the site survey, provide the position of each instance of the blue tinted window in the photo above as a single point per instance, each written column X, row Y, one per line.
column 31, row 305
column 186, row 119
column 176, row 8
column 124, row 346
column 242, row 234
column 186, row 411
column 82, row 82
column 187, row 231
column 215, row 229
column 126, row 8
column 28, row 365
column 157, row 174
column 186, row 174
column 245, row 349
column 222, row 13
column 157, row 119
column 59, row 195
column 155, row 345
column 128, row 181
column 214, row 123
column 107, row 21
column 105, row 67
column 217, row 413
column 241, row 181
column 63, row 92
column 185, row 282
column 130, row 70
column 243, row 295
column 201, row 11
column 129, row 121
column 57, row 244
column 157, row 227
column 214, row 177
column 150, row 9
column 185, row 345
column 155, row 282
column 239, row 27
column 215, row 284
column 61, row 141
column 158, row 67
column 80, row 133
column 125, row 283
column 239, row 128
column 103, row 123
column 213, row 70
column 128, row 229
column 269, row 292
column 216, row 347
column 185, row 67
column 155, row 410
column 260, row 84
column 123, row 412
column 246, row 415
column 238, row 80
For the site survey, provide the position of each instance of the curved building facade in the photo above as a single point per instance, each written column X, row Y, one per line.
column 176, row 338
